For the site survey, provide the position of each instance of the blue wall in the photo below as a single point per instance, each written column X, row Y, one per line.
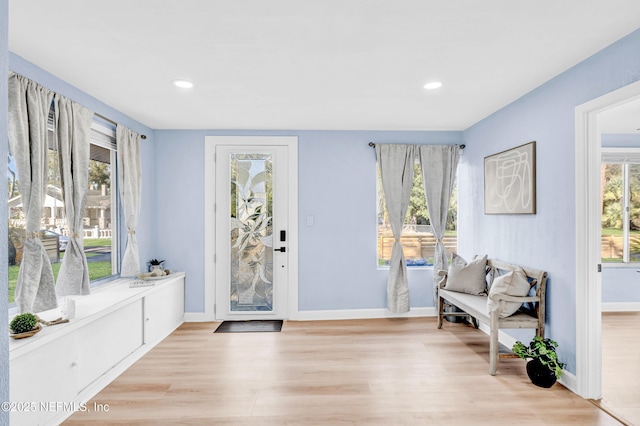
column 545, row 240
column 337, row 185
column 4, row 146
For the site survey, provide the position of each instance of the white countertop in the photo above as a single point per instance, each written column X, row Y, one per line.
column 100, row 302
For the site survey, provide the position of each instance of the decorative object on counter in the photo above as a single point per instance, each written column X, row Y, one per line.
column 544, row 368
column 27, row 324
column 156, row 274
column 155, row 264
column 140, row 283
column 24, row 325
column 68, row 308
column 54, row 322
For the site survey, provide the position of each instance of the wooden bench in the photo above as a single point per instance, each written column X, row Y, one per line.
column 530, row 315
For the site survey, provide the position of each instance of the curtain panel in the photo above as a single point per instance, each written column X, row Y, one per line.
column 396, row 172
column 73, row 129
column 438, row 164
column 29, row 105
column 130, row 186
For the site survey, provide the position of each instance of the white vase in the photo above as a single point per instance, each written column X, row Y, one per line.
column 154, row 267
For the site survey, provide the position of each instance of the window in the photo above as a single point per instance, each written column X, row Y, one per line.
column 100, row 215
column 417, row 239
column 101, row 212
column 620, row 190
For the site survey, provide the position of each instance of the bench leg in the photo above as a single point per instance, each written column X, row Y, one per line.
column 440, row 311
column 474, row 322
column 493, row 344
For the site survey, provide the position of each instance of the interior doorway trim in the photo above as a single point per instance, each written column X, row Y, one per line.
column 209, row 210
column 588, row 217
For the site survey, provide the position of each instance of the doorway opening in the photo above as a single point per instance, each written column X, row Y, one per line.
column 588, row 239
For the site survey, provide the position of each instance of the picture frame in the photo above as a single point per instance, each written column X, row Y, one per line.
column 510, row 181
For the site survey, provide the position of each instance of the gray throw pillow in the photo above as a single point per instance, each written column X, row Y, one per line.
column 467, row 277
column 514, row 283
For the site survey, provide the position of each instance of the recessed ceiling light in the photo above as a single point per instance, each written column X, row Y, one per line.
column 183, row 84
column 433, row 85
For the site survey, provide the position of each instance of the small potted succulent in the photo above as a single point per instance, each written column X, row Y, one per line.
column 24, row 325
column 544, row 368
column 156, row 264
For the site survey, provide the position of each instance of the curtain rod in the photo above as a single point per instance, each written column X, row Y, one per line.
column 99, row 115
column 114, row 123
column 373, row 145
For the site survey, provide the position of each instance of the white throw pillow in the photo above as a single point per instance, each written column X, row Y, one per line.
column 467, row 277
column 514, row 283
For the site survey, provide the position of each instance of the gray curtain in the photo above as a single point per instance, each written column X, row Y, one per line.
column 438, row 164
column 29, row 105
column 130, row 184
column 396, row 172
column 73, row 128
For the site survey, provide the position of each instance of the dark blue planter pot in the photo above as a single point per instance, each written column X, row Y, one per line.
column 540, row 375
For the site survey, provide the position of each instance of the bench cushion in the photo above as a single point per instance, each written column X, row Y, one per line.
column 513, row 283
column 466, row 277
column 476, row 306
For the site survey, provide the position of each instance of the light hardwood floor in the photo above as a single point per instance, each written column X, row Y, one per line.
column 369, row 372
column 621, row 365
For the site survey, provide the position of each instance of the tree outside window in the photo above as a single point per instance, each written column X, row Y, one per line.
column 620, row 190
column 418, row 242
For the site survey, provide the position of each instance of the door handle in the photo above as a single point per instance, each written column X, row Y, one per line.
column 281, row 249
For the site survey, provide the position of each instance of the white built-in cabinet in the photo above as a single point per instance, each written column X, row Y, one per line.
column 59, row 369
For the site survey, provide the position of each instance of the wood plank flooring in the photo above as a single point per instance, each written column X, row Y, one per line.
column 358, row 372
column 621, row 365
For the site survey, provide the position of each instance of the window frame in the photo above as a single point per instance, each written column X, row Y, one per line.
column 624, row 157
column 379, row 204
column 105, row 137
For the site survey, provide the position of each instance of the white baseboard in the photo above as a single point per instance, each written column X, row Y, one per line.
column 334, row 314
column 621, row 307
column 568, row 380
column 195, row 317
column 360, row 314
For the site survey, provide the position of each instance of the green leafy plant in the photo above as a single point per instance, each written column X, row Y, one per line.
column 155, row 262
column 22, row 323
column 544, row 350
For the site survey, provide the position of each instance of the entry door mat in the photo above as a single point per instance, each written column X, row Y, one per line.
column 254, row 326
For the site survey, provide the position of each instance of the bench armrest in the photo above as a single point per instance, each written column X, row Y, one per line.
column 443, row 273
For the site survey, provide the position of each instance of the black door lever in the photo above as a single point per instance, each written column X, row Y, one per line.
column 281, row 249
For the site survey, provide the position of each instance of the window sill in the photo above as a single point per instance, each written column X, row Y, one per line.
column 612, row 265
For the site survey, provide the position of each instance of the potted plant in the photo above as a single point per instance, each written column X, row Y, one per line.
column 24, row 325
column 156, row 264
column 544, row 368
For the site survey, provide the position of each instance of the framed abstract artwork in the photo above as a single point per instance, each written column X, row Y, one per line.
column 510, row 181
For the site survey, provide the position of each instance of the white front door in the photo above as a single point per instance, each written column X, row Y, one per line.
column 252, row 232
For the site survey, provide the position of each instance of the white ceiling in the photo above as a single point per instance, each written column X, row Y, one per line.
column 313, row 64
